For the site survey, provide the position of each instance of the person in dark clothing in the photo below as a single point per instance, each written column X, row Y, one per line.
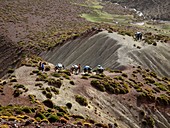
column 39, row 67
column 42, row 66
column 87, row 69
column 100, row 69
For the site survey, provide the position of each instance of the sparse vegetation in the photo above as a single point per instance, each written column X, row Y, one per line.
column 81, row 100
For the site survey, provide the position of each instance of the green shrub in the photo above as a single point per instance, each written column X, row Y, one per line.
column 84, row 77
column 69, row 105
column 13, row 80
column 48, row 103
column 42, row 77
column 39, row 84
column 163, row 100
column 56, row 91
column 32, row 98
column 81, row 100
column 26, row 110
column 10, row 70
column 96, row 84
column 72, row 82
column 61, row 114
column 40, row 115
column 161, row 86
column 124, row 75
column 49, row 95
column 19, row 86
column 57, row 83
column 17, row 92
column 47, row 68
column 66, row 72
column 48, row 89
column 77, row 116
column 96, row 77
column 53, row 118
column 66, row 76
column 117, row 71
column 149, row 80
column 56, row 74
column 61, row 109
column 35, row 71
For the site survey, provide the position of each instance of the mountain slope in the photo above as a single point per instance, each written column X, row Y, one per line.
column 155, row 9
column 112, row 51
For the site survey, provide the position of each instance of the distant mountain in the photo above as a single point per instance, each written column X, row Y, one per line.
column 155, row 9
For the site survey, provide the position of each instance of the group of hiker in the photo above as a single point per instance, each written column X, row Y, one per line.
column 76, row 69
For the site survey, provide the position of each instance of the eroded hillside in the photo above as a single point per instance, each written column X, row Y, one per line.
column 112, row 51
column 133, row 98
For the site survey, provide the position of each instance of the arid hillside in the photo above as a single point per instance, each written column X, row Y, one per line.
column 112, row 51
column 133, row 98
column 154, row 9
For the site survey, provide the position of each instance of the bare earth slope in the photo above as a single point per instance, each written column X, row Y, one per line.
column 122, row 110
column 112, row 51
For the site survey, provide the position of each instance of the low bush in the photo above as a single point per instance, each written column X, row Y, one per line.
column 96, row 84
column 161, row 86
column 17, row 92
column 39, row 115
column 84, row 77
column 48, row 103
column 39, row 84
column 124, row 75
column 47, row 68
column 32, row 98
column 163, row 99
column 77, row 116
column 57, row 83
column 149, row 80
column 56, row 74
column 13, row 80
column 81, row 100
column 26, row 110
column 66, row 76
column 56, row 91
column 49, row 95
column 67, row 72
column 10, row 70
column 96, row 77
column 53, row 118
column 69, row 105
column 72, row 82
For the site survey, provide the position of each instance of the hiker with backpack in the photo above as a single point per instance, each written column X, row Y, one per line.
column 58, row 67
column 138, row 36
column 99, row 70
column 87, row 69
column 75, row 69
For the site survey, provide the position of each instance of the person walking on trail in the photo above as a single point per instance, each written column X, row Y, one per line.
column 39, row 66
column 59, row 66
column 75, row 69
column 99, row 70
column 138, row 36
column 42, row 66
column 79, row 68
column 87, row 69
